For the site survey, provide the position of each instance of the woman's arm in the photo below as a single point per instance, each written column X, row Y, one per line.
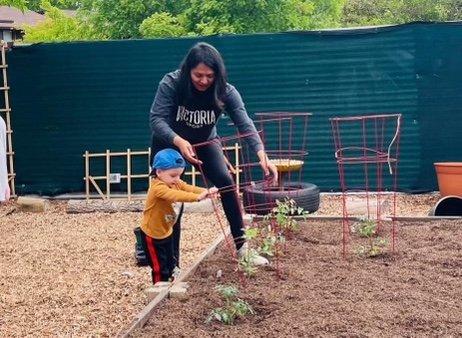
column 235, row 108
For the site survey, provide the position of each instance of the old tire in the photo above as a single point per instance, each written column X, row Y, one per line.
column 260, row 199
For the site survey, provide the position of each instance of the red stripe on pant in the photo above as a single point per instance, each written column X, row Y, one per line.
column 156, row 276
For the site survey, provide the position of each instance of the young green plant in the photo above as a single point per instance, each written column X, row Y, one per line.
column 367, row 228
column 247, row 260
column 233, row 308
column 285, row 212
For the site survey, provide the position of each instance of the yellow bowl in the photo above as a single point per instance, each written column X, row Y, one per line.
column 286, row 164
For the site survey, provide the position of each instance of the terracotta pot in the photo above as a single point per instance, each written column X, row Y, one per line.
column 449, row 176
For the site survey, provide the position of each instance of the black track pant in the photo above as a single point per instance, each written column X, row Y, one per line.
column 163, row 254
column 216, row 172
column 159, row 253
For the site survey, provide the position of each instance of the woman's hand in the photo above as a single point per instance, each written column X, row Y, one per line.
column 269, row 168
column 186, row 149
column 212, row 192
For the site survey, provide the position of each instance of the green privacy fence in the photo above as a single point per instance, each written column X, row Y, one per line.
column 71, row 97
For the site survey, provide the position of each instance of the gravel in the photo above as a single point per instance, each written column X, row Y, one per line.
column 76, row 275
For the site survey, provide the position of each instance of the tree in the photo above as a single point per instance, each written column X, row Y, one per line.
column 21, row 4
column 34, row 5
column 57, row 26
column 117, row 19
column 162, row 25
column 367, row 12
column 250, row 16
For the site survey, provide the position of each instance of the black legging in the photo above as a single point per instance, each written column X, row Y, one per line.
column 216, row 171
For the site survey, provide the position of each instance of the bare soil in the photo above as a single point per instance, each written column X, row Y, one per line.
column 415, row 292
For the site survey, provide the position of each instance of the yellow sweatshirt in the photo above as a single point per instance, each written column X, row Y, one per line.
column 158, row 214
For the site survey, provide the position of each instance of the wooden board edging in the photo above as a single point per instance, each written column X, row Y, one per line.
column 141, row 318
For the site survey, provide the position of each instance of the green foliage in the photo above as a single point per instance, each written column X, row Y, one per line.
column 367, row 228
column 21, row 4
column 247, row 262
column 374, row 249
column 35, row 5
column 268, row 245
column 206, row 17
column 251, row 233
column 233, row 308
column 381, row 12
column 162, row 25
column 126, row 19
column 284, row 213
column 58, row 27
column 117, row 19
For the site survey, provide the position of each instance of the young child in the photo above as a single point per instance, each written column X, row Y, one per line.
column 165, row 190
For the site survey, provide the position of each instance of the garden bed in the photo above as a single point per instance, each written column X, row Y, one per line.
column 416, row 291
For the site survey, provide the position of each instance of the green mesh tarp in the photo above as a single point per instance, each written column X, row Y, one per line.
column 71, row 97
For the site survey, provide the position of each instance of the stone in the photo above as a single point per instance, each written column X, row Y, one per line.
column 179, row 290
column 33, row 204
column 152, row 291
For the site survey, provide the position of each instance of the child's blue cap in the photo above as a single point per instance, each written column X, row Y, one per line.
column 168, row 159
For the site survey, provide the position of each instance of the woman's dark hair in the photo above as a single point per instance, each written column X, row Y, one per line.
column 208, row 55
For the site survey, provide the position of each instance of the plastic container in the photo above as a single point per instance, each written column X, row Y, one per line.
column 449, row 176
column 447, row 206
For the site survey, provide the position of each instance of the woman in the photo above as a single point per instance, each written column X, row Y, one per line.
column 186, row 108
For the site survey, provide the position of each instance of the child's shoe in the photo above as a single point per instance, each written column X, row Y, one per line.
column 176, row 273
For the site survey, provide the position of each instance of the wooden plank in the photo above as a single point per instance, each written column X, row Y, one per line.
column 97, row 188
column 7, row 109
column 108, row 172
column 352, row 218
column 140, row 320
column 87, row 175
column 144, row 315
column 425, row 218
column 119, row 153
column 135, row 176
column 129, row 172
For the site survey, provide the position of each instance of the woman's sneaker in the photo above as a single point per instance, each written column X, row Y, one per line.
column 254, row 257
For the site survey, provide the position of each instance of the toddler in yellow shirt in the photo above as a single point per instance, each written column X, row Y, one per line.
column 159, row 229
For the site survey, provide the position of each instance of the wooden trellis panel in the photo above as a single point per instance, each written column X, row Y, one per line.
column 6, row 115
column 91, row 180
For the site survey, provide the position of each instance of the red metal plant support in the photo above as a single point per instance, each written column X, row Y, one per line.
column 288, row 134
column 366, row 148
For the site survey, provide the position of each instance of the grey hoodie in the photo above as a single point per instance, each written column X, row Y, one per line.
column 196, row 120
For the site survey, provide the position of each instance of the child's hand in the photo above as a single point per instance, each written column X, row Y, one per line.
column 202, row 195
